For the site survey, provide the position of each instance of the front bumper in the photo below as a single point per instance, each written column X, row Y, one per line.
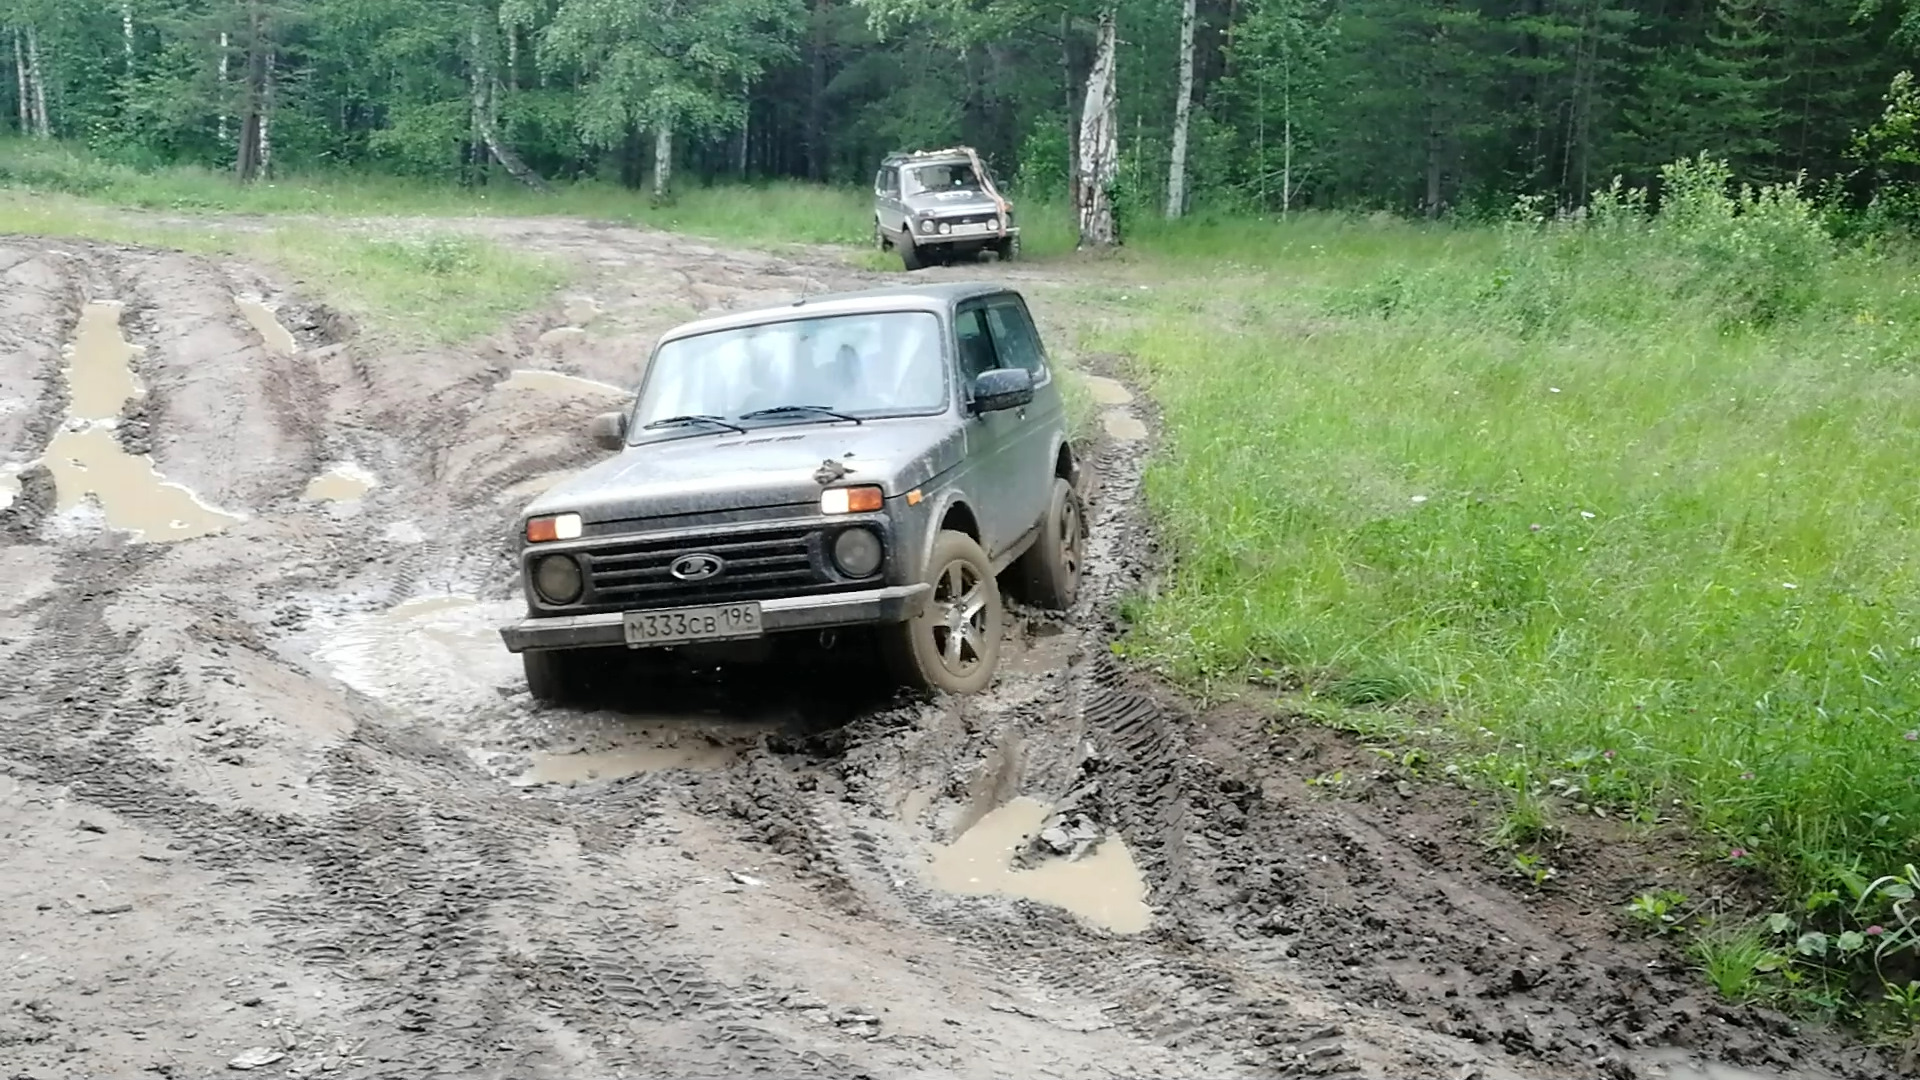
column 893, row 604
column 934, row 239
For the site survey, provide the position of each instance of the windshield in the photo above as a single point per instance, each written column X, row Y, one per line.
column 949, row 176
column 879, row 364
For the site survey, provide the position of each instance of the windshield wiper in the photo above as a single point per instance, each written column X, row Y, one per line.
column 693, row 418
column 788, row 410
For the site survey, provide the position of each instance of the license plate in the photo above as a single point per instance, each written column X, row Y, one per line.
column 970, row 229
column 674, row 625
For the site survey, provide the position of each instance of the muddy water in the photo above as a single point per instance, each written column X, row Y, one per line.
column 9, row 484
column 88, row 461
column 428, row 649
column 1123, row 425
column 1103, row 887
column 1107, row 391
column 553, row 382
column 345, row 482
column 1676, row 1064
column 100, row 364
column 130, row 491
column 277, row 337
column 561, row 768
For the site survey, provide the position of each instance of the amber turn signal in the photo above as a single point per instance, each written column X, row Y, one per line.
column 852, row 500
column 543, row 530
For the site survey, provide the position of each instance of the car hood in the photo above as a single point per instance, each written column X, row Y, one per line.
column 953, row 202
column 769, row 466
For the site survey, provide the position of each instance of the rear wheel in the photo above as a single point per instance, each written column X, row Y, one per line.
column 880, row 240
column 953, row 645
column 1050, row 570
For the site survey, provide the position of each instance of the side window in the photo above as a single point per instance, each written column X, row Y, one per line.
column 975, row 345
column 1013, row 335
column 893, row 181
column 880, row 180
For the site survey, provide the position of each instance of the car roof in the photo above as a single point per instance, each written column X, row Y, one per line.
column 936, row 297
column 951, row 153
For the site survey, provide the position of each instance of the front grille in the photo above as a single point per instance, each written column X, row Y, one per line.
column 759, row 566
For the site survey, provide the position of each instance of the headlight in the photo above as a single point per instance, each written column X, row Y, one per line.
column 557, row 579
column 541, row 530
column 945, row 228
column 926, row 225
column 857, row 552
column 993, row 223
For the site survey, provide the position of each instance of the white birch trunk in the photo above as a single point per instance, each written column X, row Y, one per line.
column 266, row 120
column 225, row 44
column 1182, row 117
column 20, row 75
column 1099, row 145
column 662, row 160
column 1286, row 145
column 126, row 35
column 37, row 79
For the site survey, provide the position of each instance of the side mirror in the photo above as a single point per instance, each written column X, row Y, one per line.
column 609, row 430
column 1002, row 388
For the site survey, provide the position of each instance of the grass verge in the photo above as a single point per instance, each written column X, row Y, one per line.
column 426, row 288
column 1629, row 500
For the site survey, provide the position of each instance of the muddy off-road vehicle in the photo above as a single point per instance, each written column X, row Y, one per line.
column 871, row 462
column 939, row 206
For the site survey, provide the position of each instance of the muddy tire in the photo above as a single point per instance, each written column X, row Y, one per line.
column 557, row 676
column 954, row 645
column 1049, row 573
column 910, row 257
column 1007, row 250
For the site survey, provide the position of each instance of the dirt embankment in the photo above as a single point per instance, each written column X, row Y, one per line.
column 273, row 798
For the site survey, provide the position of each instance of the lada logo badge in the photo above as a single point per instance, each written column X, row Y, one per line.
column 696, row 567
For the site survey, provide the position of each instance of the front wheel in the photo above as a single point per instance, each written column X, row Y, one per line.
column 559, row 676
column 1050, row 570
column 1008, row 249
column 910, row 257
column 954, row 644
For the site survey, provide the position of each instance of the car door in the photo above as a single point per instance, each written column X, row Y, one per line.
column 1030, row 437
column 993, row 477
column 895, row 213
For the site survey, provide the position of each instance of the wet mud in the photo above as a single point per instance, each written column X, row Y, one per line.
column 280, row 800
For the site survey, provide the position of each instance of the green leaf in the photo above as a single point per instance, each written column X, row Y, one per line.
column 1780, row 922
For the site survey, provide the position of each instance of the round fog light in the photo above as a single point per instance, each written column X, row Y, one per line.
column 857, row 552
column 557, row 578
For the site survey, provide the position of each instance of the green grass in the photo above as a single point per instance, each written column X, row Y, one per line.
column 781, row 212
column 1630, row 502
column 426, row 287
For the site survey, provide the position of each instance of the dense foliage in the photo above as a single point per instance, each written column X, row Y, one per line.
column 1410, row 104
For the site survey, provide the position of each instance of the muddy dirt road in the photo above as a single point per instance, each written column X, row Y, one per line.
column 274, row 800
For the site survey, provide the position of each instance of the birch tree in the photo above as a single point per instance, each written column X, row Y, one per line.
column 1099, row 144
column 1182, row 116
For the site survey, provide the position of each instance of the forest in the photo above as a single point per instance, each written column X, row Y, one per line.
column 1416, row 106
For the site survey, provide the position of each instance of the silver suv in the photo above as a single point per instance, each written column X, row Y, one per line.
column 937, row 206
column 871, row 461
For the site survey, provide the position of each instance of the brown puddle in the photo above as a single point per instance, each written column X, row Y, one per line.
column 345, row 482
column 424, row 650
column 1123, row 425
column 553, row 382
column 278, row 338
column 100, row 364
column 87, row 460
column 1104, row 887
column 129, row 489
column 1107, row 391
column 622, row 761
